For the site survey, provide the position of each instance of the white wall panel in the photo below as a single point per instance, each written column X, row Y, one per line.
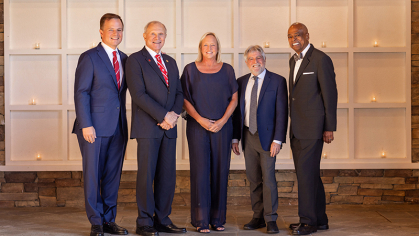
column 36, row 132
column 35, row 77
column 35, row 22
column 266, row 21
column 380, row 20
column 200, row 16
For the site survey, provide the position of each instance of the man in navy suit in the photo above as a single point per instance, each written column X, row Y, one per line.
column 260, row 121
column 313, row 105
column 101, row 124
column 157, row 100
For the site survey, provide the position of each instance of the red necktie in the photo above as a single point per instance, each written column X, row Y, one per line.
column 116, row 68
column 162, row 69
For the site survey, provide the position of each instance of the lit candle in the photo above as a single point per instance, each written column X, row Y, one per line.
column 32, row 101
column 383, row 154
column 323, row 44
column 266, row 44
column 37, row 45
column 373, row 99
column 93, row 45
column 38, row 158
column 324, row 155
column 375, row 44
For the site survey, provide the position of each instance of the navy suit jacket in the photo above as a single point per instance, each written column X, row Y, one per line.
column 313, row 96
column 151, row 98
column 98, row 101
column 272, row 112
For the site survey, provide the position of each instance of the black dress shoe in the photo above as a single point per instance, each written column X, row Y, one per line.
column 304, row 229
column 319, row 227
column 255, row 223
column 169, row 228
column 147, row 231
column 113, row 228
column 97, row 230
column 272, row 228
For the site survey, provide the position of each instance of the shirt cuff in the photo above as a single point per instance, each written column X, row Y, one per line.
column 235, row 141
column 278, row 142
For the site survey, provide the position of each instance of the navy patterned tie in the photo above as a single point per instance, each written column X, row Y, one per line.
column 253, row 125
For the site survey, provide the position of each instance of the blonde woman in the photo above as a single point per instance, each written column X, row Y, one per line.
column 210, row 97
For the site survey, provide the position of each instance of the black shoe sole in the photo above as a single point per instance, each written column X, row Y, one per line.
column 113, row 233
column 258, row 227
column 306, row 233
column 319, row 227
column 146, row 234
column 322, row 227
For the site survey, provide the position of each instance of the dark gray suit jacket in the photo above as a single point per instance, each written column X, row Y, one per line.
column 151, row 98
column 313, row 96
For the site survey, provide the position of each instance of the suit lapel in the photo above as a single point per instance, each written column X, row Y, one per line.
column 291, row 78
column 102, row 54
column 153, row 64
column 304, row 63
column 123, row 58
column 265, row 85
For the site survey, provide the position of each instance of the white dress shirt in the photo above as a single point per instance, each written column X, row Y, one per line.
column 247, row 96
column 153, row 55
column 109, row 51
column 298, row 63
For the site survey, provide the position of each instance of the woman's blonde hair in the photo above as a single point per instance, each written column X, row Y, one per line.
column 218, row 57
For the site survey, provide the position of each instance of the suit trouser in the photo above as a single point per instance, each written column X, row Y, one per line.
column 156, row 159
column 209, row 157
column 102, row 168
column 311, row 196
column 260, row 171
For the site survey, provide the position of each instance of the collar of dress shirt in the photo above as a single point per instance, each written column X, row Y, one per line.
column 305, row 51
column 152, row 53
column 261, row 76
column 109, row 50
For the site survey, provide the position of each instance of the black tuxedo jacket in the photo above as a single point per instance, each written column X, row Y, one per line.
column 313, row 96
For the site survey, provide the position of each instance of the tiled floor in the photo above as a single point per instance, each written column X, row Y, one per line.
column 359, row 220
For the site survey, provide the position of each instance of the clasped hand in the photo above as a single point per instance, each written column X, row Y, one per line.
column 211, row 125
column 170, row 120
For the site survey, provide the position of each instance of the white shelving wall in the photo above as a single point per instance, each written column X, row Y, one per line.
column 349, row 28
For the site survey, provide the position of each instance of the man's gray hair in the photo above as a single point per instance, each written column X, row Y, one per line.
column 152, row 23
column 254, row 48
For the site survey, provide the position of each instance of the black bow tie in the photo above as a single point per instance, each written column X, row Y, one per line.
column 298, row 57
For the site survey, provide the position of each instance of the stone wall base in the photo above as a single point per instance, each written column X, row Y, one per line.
column 65, row 188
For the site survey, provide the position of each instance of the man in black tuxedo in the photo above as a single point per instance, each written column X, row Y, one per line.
column 157, row 99
column 313, row 104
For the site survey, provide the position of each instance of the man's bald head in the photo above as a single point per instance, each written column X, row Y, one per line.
column 298, row 37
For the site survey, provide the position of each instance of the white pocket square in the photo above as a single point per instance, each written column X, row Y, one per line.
column 308, row 73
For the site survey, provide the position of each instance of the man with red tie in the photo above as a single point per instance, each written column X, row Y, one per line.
column 157, row 100
column 101, row 124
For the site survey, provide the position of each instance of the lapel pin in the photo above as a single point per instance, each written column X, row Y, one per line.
column 167, row 60
column 149, row 60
